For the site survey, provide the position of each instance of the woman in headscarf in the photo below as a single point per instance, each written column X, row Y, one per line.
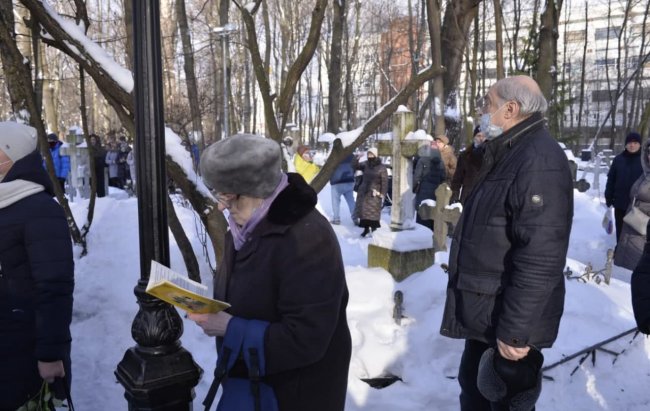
column 284, row 343
column 372, row 191
column 304, row 163
column 630, row 245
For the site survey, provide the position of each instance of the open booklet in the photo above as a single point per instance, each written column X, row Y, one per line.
column 180, row 291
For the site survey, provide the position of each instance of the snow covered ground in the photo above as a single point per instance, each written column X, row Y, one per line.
column 427, row 362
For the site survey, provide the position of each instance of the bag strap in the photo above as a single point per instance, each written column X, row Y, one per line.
column 66, row 391
column 229, row 351
column 253, row 351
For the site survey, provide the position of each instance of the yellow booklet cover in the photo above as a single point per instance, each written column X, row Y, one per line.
column 180, row 291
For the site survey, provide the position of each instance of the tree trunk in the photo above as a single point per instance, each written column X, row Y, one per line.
column 184, row 244
column 190, row 76
column 547, row 60
column 85, row 229
column 19, row 84
column 433, row 12
column 334, row 75
column 498, row 29
column 583, row 74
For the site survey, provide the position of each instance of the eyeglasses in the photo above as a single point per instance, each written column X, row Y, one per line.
column 225, row 200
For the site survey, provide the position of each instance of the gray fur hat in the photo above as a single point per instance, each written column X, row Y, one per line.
column 244, row 164
column 517, row 382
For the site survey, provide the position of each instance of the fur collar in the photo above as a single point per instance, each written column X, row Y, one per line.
column 294, row 202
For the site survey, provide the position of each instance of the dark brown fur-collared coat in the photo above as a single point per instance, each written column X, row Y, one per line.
column 291, row 274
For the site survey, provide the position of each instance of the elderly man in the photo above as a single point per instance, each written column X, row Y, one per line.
column 505, row 294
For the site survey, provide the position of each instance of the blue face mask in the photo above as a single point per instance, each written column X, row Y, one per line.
column 491, row 131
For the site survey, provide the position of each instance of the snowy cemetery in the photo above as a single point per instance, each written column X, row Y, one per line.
column 131, row 351
column 399, row 359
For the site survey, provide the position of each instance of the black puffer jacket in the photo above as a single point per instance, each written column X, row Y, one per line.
column 36, row 285
column 291, row 275
column 509, row 248
column 429, row 173
column 625, row 170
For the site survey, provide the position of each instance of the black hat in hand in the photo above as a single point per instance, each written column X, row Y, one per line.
column 518, row 383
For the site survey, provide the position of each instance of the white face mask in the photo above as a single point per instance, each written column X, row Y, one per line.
column 491, row 131
column 3, row 175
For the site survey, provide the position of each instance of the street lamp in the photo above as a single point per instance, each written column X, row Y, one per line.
column 158, row 374
column 224, row 32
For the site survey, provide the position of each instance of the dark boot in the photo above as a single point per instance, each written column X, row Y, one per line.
column 365, row 232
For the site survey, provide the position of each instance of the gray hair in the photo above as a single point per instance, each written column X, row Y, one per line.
column 530, row 99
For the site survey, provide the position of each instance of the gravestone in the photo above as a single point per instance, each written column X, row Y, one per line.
column 404, row 250
column 77, row 150
column 441, row 216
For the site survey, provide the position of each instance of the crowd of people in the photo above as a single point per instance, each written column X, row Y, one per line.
column 284, row 344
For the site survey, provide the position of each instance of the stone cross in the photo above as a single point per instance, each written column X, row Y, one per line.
column 401, row 150
column 77, row 150
column 597, row 164
column 441, row 215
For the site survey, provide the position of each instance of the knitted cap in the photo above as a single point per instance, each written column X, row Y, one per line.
column 374, row 151
column 633, row 136
column 17, row 140
column 244, row 164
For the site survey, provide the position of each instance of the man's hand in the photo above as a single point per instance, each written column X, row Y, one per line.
column 214, row 325
column 51, row 370
column 512, row 353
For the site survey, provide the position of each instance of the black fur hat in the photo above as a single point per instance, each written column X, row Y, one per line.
column 519, row 382
column 244, row 164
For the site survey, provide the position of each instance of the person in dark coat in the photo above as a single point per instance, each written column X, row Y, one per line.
column 505, row 292
column 469, row 164
column 429, row 172
column 640, row 287
column 371, row 192
column 99, row 154
column 342, row 184
column 631, row 242
column 283, row 274
column 624, row 171
column 36, row 273
column 61, row 162
column 123, row 172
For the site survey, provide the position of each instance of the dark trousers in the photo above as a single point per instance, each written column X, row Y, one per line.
column 471, row 398
column 618, row 219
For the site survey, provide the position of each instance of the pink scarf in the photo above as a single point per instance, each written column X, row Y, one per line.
column 241, row 234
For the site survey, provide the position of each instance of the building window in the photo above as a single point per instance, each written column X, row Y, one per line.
column 490, row 45
column 576, row 36
column 602, row 96
column 605, row 62
column 489, row 73
column 602, row 33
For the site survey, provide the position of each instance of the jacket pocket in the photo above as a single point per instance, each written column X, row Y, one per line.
column 476, row 301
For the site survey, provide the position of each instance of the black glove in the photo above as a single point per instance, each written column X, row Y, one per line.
column 609, row 202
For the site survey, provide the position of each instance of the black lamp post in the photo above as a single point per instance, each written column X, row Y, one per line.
column 158, row 374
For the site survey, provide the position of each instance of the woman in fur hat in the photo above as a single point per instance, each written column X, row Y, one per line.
column 371, row 192
column 36, row 275
column 283, row 275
